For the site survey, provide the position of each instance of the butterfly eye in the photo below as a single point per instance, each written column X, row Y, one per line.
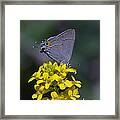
column 46, row 43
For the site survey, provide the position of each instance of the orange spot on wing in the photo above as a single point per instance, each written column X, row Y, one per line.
column 49, row 43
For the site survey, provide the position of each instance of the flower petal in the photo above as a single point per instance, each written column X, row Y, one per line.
column 50, row 63
column 64, row 74
column 68, row 83
column 40, row 68
column 75, row 92
column 31, row 79
column 71, row 70
column 36, row 86
column 38, row 75
column 78, row 85
column 41, row 88
column 55, row 64
column 73, row 77
column 70, row 92
column 73, row 98
column 77, row 96
column 34, row 96
column 45, row 65
column 45, row 75
column 63, row 66
column 47, row 85
column 57, row 68
column 40, row 81
column 39, row 96
column 54, row 94
column 78, row 81
column 34, row 74
column 62, row 86
column 55, row 77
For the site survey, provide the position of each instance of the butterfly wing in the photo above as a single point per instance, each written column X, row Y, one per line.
column 60, row 47
column 55, row 56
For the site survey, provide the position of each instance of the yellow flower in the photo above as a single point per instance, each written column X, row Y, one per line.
column 45, row 65
column 31, row 79
column 36, row 86
column 40, row 68
column 47, row 85
column 50, row 63
column 55, row 77
column 37, row 75
column 63, row 66
column 34, row 96
column 77, row 83
column 73, row 94
column 52, row 82
column 62, row 86
column 40, row 81
column 55, row 64
column 68, row 83
column 63, row 74
column 41, row 88
column 70, row 92
column 57, row 68
column 65, row 84
column 71, row 70
column 54, row 95
column 39, row 96
column 45, row 76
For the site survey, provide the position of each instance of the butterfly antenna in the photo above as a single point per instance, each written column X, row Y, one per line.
column 35, row 44
column 45, row 40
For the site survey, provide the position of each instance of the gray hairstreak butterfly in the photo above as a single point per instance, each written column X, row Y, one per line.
column 59, row 48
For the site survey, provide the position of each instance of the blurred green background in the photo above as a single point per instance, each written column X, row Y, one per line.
column 85, row 57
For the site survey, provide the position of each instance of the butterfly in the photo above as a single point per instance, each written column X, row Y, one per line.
column 59, row 48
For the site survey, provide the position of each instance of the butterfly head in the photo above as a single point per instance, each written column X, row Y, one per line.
column 43, row 46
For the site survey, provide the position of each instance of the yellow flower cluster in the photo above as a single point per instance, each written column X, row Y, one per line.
column 52, row 82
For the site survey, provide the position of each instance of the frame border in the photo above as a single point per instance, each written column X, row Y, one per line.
column 55, row 2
